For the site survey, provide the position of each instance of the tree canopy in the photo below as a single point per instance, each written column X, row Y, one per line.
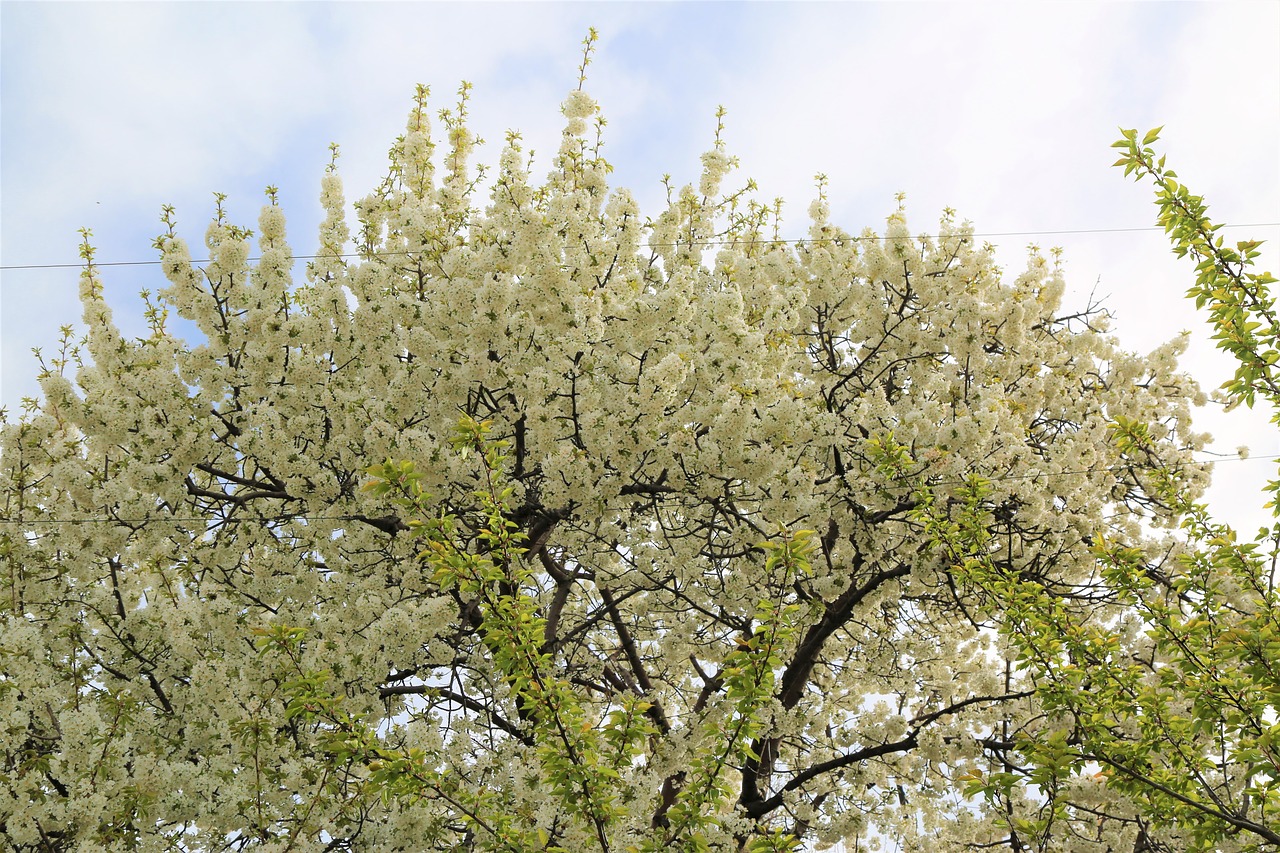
column 537, row 523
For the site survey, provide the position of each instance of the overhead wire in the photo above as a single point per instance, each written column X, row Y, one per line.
column 778, row 241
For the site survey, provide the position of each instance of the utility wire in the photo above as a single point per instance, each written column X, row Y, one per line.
column 307, row 517
column 800, row 241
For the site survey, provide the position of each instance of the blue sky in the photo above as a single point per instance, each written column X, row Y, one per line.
column 1002, row 111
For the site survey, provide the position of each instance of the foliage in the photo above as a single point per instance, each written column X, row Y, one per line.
column 1174, row 704
column 1205, row 753
column 574, row 618
column 1241, row 306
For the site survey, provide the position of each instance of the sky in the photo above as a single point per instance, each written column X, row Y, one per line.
column 1003, row 111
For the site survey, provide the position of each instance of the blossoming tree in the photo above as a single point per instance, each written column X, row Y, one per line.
column 653, row 560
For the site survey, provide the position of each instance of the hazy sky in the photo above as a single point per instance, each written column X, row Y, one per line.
column 1002, row 111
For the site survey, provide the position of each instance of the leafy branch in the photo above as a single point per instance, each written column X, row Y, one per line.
column 1241, row 307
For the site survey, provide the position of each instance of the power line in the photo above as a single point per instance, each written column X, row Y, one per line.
column 307, row 517
column 792, row 241
column 175, row 519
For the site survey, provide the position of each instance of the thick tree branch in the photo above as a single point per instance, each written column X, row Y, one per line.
column 655, row 711
column 836, row 614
